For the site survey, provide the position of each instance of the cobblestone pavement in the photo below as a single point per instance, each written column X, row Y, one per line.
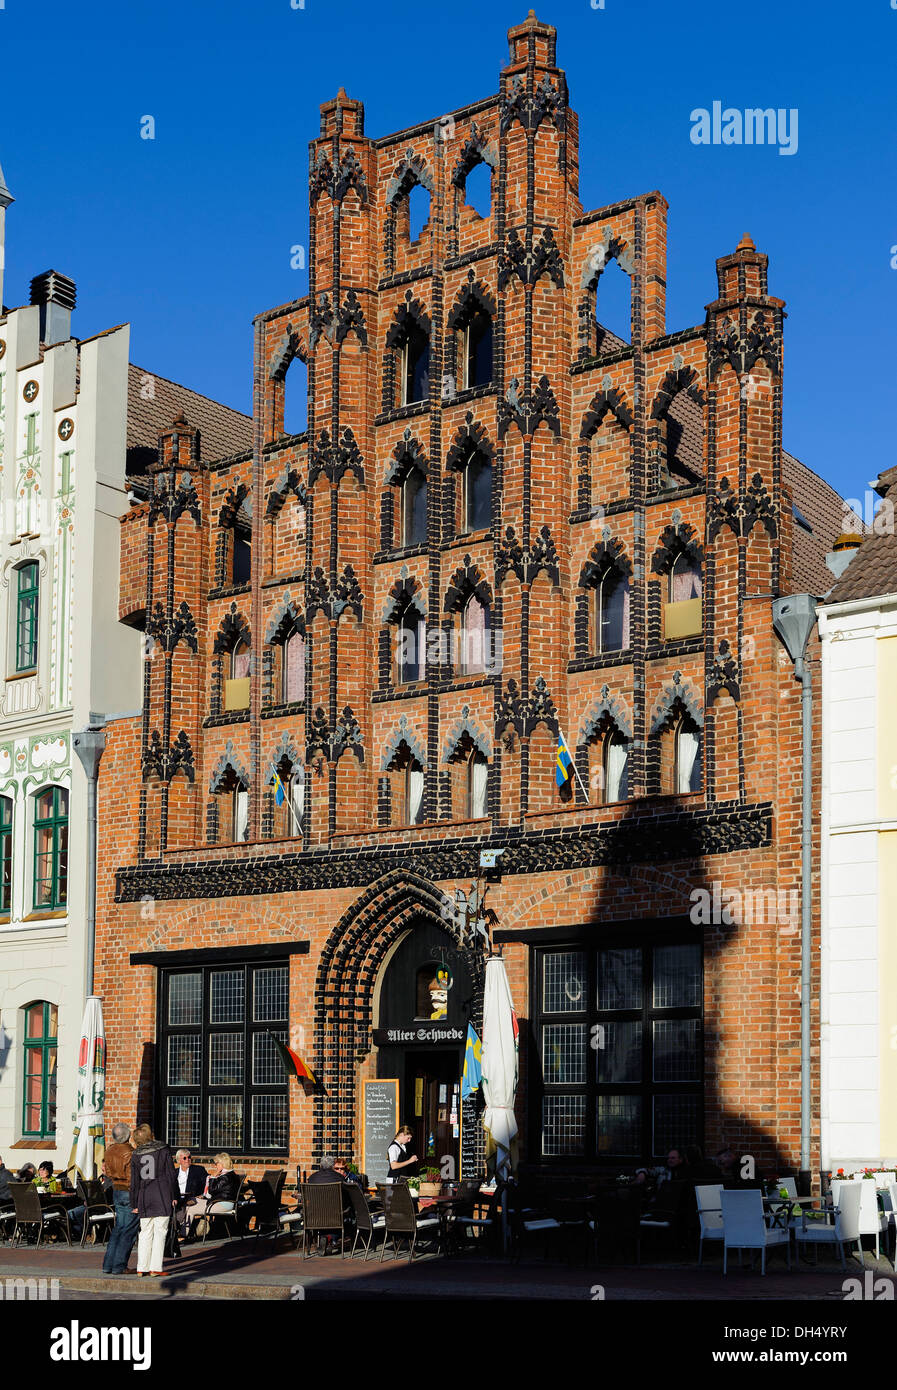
column 228, row 1270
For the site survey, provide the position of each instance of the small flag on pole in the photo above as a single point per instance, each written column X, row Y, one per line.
column 280, row 795
column 473, row 1056
column 564, row 762
column 293, row 1065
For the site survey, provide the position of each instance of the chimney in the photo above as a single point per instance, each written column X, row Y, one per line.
column 5, row 199
column 842, row 552
column 55, row 294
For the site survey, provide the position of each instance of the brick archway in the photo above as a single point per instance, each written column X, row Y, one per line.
column 344, row 990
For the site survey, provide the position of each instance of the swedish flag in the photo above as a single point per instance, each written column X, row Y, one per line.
column 280, row 795
column 473, row 1057
column 564, row 762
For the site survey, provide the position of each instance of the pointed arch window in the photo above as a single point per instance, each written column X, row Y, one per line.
column 414, row 793
column 413, row 508
column 688, row 752
column 414, row 366
column 615, row 760
column 476, row 493
column 292, row 669
column 289, row 800
column 685, row 578
column 239, row 815
column 612, row 612
column 474, row 637
column 477, row 786
column 411, row 639
column 475, row 350
column 241, row 555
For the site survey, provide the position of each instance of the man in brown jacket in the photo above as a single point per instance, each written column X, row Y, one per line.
column 124, row 1232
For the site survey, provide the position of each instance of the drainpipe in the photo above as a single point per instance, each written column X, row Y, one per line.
column 89, row 744
column 793, row 619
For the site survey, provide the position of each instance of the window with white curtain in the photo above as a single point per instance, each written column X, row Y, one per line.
column 688, row 757
column 685, row 578
column 414, row 794
column 474, row 637
column 240, row 815
column 477, row 786
column 616, row 768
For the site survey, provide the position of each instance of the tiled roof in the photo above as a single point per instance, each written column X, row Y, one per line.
column 873, row 570
column 824, row 510
column 153, row 403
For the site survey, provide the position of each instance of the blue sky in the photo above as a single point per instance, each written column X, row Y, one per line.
column 188, row 235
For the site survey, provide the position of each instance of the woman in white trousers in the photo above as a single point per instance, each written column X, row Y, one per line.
column 153, row 1196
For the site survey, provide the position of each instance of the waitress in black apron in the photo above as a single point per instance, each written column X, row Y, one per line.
column 402, row 1162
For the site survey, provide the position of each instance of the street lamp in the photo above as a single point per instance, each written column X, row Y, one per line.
column 89, row 744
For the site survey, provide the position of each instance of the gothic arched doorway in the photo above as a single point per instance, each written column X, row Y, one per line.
column 425, row 1001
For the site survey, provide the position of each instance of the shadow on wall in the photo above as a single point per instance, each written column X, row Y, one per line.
column 732, row 942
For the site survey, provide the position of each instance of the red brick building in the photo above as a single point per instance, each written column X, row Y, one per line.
column 507, row 520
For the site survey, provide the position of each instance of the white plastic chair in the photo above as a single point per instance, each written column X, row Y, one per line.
column 890, row 1197
column 844, row 1228
column 744, row 1227
column 710, row 1214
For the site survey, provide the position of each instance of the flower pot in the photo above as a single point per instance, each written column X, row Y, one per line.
column 430, row 1189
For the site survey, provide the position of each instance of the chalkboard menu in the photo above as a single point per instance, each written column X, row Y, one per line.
column 472, row 1141
column 379, row 1125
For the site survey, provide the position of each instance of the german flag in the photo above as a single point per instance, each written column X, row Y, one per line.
column 293, row 1065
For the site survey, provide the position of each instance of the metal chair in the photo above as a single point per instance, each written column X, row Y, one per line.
column 366, row 1223
column 29, row 1212
column 98, row 1215
column 401, row 1220
column 227, row 1212
column 322, row 1212
column 7, row 1219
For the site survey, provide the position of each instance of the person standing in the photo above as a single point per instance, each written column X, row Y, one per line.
column 153, row 1190
column 118, row 1169
column 402, row 1162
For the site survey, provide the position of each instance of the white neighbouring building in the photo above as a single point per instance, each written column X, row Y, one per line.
column 76, row 419
column 858, row 1060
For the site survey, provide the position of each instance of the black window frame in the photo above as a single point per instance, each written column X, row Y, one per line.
column 645, row 936
column 206, row 1029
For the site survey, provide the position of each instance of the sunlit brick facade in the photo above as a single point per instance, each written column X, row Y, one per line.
column 504, row 522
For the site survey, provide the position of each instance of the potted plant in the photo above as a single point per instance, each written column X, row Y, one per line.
column 430, row 1182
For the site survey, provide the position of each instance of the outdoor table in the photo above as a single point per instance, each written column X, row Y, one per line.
column 780, row 1208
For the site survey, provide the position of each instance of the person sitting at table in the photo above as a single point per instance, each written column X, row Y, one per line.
column 6, row 1177
column 27, row 1173
column 341, row 1166
column 328, row 1171
column 222, row 1185
column 402, row 1162
column 701, row 1169
column 191, row 1182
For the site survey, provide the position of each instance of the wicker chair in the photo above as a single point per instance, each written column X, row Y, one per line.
column 365, row 1222
column 29, row 1212
column 264, row 1204
column 401, row 1219
column 322, row 1212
